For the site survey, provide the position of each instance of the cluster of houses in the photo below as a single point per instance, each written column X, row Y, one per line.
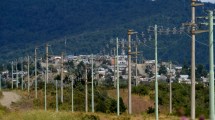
column 145, row 69
column 105, row 65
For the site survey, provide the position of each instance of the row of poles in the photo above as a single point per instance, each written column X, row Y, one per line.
column 46, row 81
column 211, row 60
column 193, row 82
column 22, row 75
column 130, row 32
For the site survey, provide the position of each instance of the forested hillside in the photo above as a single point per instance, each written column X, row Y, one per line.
column 87, row 26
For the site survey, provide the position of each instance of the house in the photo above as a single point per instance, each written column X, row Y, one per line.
column 101, row 72
column 5, row 72
column 150, row 62
column 178, row 69
column 205, row 81
column 184, row 79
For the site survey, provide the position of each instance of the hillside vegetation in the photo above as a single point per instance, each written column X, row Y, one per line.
column 105, row 103
column 25, row 24
column 180, row 98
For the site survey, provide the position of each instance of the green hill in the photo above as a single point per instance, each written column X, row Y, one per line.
column 87, row 26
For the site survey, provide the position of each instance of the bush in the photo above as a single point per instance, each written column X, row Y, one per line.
column 141, row 90
column 122, row 118
column 90, row 117
column 37, row 102
column 110, row 106
column 150, row 110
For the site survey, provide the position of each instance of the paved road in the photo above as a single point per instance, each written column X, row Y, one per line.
column 8, row 98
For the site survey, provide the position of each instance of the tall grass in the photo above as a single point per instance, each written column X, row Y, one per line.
column 48, row 115
column 65, row 115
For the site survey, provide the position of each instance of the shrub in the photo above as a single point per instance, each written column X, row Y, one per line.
column 37, row 102
column 90, row 117
column 150, row 110
column 141, row 90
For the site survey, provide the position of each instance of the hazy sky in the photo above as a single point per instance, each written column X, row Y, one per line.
column 213, row 1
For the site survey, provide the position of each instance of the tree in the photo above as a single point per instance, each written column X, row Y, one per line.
column 70, row 66
column 185, row 70
column 80, row 71
column 162, row 70
column 201, row 71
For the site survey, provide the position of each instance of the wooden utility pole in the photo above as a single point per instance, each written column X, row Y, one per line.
column 193, row 62
column 129, row 72
column 211, row 63
column 170, row 88
column 86, row 91
column 12, row 74
column 22, row 72
column 130, row 32
column 156, row 74
column 136, row 64
column 193, row 36
column 117, row 75
column 35, row 70
column 193, row 77
column 28, row 76
column 46, row 74
column 0, row 81
column 56, row 96
column 92, row 77
column 61, row 77
column 114, row 51
column 17, row 80
column 71, row 77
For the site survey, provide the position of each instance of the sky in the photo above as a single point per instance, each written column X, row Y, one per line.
column 213, row 1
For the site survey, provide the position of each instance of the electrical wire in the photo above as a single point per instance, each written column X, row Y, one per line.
column 196, row 40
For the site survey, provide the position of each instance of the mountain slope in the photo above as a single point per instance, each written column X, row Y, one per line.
column 87, row 26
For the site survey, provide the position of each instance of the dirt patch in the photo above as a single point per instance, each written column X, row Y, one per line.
column 9, row 98
column 139, row 103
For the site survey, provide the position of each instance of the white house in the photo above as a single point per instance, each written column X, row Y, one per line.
column 184, row 79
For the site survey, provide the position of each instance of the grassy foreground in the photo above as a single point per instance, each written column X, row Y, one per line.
column 52, row 115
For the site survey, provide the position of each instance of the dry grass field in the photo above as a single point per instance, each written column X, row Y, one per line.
column 24, row 110
column 66, row 115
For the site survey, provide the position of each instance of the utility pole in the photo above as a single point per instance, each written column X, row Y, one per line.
column 62, row 77
column 72, row 95
column 170, row 88
column 86, row 91
column 56, row 97
column 114, row 67
column 28, row 76
column 46, row 73
column 0, row 81
column 136, row 64
column 211, row 62
column 156, row 81
column 117, row 59
column 17, row 80
column 92, row 77
column 130, row 32
column 193, row 36
column 12, row 74
column 193, row 77
column 193, row 65
column 22, row 72
column 129, row 72
column 35, row 70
